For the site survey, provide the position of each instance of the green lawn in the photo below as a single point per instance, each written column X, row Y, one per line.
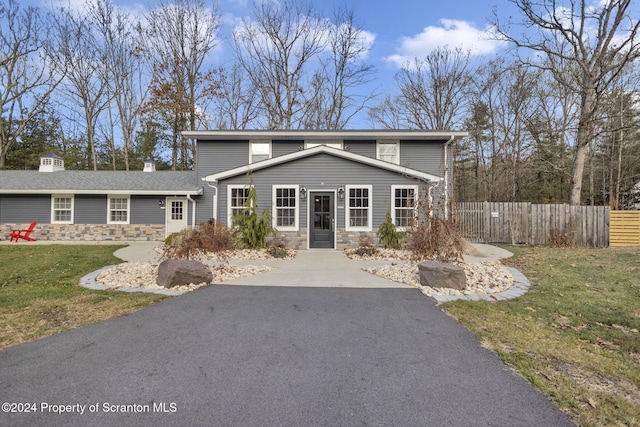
column 39, row 292
column 575, row 334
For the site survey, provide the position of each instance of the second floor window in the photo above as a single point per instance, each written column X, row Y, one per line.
column 260, row 151
column 389, row 151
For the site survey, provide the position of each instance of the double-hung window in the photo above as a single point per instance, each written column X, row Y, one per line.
column 118, row 210
column 237, row 196
column 260, row 150
column 405, row 201
column 62, row 209
column 285, row 207
column 389, row 151
column 359, row 207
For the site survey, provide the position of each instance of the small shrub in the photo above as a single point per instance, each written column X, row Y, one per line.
column 434, row 236
column 388, row 236
column 558, row 239
column 365, row 251
column 253, row 229
column 278, row 247
column 206, row 237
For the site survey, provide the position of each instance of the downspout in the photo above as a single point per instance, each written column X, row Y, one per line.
column 446, row 176
column 193, row 211
column 215, row 198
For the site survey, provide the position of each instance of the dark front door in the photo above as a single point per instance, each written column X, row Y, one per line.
column 322, row 220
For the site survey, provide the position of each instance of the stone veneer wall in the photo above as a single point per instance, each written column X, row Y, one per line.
column 345, row 239
column 91, row 232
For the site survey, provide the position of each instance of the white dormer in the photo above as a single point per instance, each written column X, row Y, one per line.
column 149, row 166
column 51, row 163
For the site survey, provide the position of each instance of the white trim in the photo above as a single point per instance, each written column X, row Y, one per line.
column 259, row 142
column 396, row 142
column 347, row 208
column 333, row 144
column 53, row 209
column 243, row 170
column 274, row 208
column 225, row 135
column 106, row 192
column 215, row 203
column 118, row 196
column 393, row 202
column 229, row 188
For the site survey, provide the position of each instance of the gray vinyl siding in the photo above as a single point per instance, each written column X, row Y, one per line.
column 214, row 157
column 423, row 156
column 317, row 173
column 363, row 148
column 145, row 210
column 90, row 209
column 24, row 209
column 280, row 148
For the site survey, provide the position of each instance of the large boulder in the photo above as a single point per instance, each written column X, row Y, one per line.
column 176, row 272
column 439, row 275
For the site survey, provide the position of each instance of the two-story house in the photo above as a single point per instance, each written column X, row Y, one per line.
column 324, row 188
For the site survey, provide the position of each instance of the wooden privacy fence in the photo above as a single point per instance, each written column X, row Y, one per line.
column 625, row 228
column 526, row 223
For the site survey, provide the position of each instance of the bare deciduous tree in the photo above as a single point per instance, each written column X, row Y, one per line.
column 85, row 82
column 27, row 76
column 597, row 42
column 181, row 36
column 276, row 49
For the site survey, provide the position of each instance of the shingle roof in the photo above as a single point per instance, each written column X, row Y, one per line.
column 100, row 182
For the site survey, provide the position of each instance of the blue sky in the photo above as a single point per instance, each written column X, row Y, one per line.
column 400, row 30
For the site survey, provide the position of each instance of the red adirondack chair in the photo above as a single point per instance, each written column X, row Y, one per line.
column 23, row 234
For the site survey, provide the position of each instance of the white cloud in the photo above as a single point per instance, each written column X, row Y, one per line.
column 451, row 33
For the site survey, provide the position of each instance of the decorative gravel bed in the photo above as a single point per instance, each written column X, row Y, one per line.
column 482, row 278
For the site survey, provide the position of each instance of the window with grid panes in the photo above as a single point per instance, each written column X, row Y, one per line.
column 118, row 209
column 358, row 199
column 285, row 207
column 404, row 202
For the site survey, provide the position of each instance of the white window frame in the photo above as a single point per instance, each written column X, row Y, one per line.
column 347, row 207
column 388, row 142
column 251, row 154
column 275, row 208
column 230, row 189
column 54, row 210
column 109, row 210
column 336, row 144
column 393, row 202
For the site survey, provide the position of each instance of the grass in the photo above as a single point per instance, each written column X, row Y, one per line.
column 40, row 296
column 575, row 334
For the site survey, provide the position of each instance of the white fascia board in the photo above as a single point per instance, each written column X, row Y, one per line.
column 316, row 150
column 226, row 135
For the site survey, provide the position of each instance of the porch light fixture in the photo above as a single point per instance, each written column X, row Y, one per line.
column 341, row 193
column 161, row 203
column 303, row 193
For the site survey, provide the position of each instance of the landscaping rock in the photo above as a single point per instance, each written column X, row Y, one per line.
column 440, row 275
column 177, row 272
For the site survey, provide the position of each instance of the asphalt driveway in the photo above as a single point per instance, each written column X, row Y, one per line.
column 270, row 356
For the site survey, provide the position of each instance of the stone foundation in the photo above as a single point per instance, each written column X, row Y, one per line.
column 91, row 232
column 344, row 239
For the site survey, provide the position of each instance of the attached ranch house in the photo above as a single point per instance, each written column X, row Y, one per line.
column 325, row 189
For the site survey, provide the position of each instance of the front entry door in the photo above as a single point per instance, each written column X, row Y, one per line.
column 322, row 220
column 176, row 215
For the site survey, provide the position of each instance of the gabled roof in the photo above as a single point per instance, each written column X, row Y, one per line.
column 319, row 150
column 99, row 182
column 226, row 135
